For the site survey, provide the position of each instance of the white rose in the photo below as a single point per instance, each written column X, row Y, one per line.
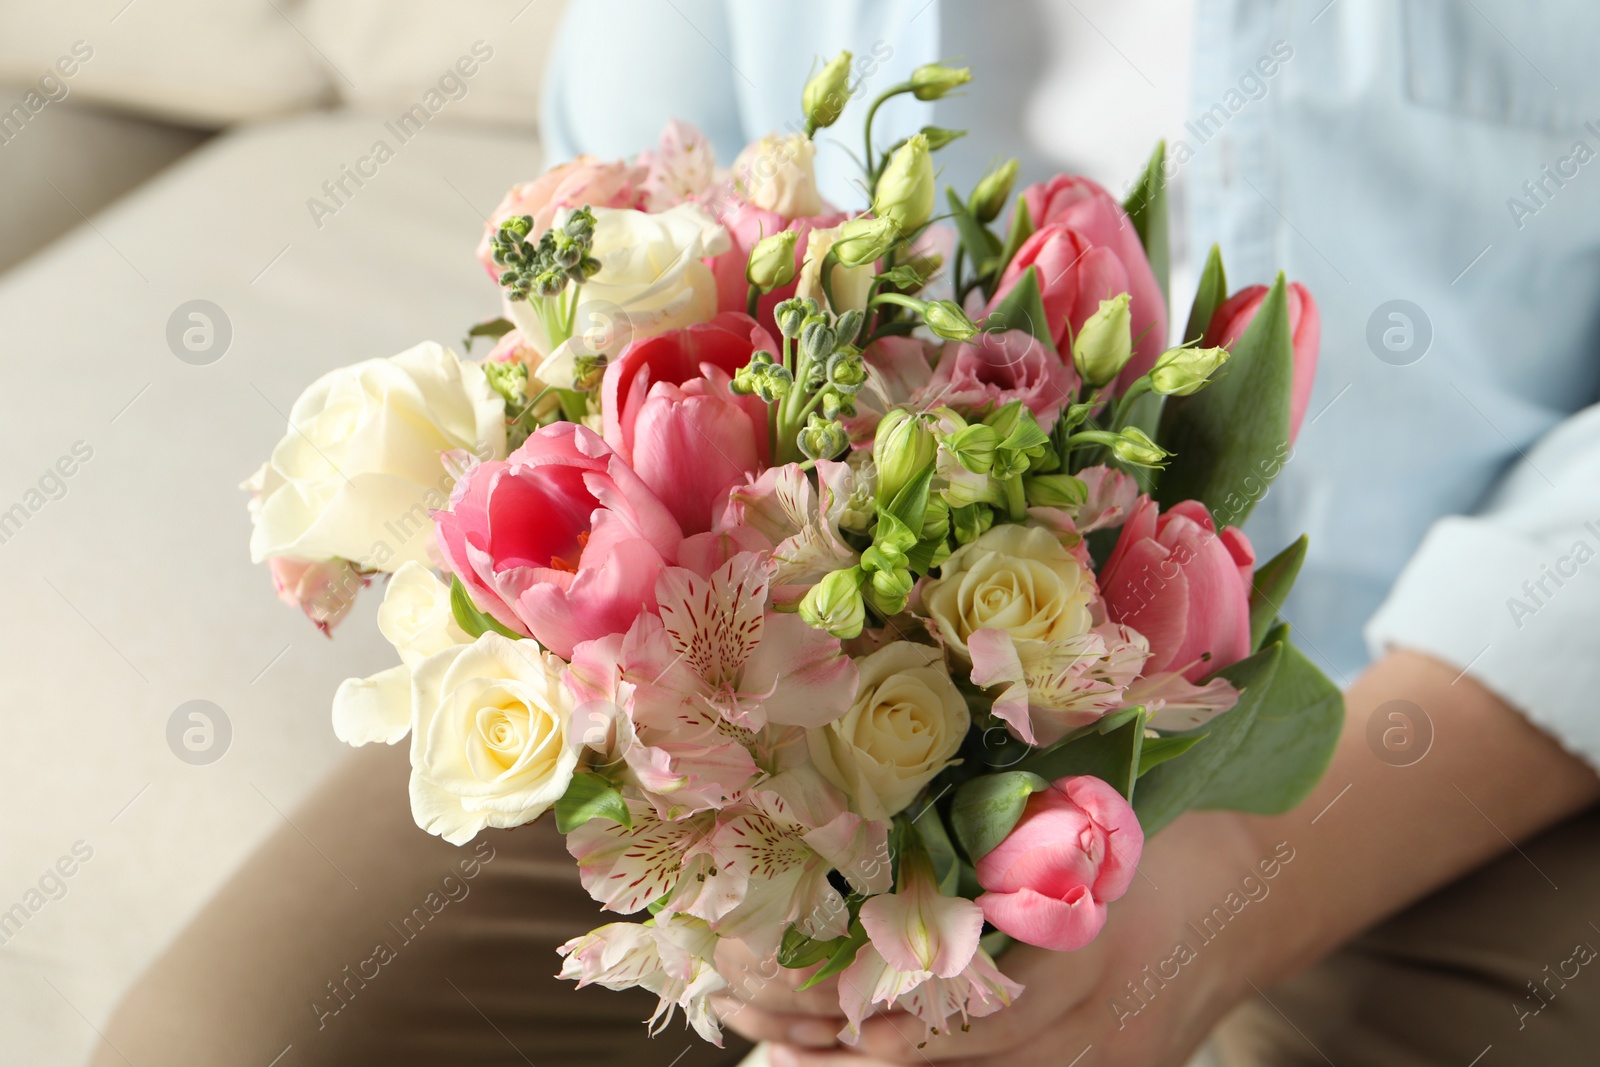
column 1013, row 578
column 779, row 173
column 417, row 620
column 906, row 724
column 361, row 465
column 651, row 279
column 851, row 285
column 491, row 737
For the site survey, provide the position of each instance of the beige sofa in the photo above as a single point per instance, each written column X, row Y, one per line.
column 175, row 163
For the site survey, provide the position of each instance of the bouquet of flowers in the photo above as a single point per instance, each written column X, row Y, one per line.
column 862, row 587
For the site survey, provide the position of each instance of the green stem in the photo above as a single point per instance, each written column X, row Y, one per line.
column 574, row 405
column 899, row 300
column 825, row 276
column 872, row 169
column 752, row 300
column 1119, row 413
column 1016, row 500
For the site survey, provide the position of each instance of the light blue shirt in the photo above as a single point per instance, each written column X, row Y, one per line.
column 1430, row 169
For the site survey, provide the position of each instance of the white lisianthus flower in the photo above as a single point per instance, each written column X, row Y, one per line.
column 851, row 285
column 417, row 620
column 778, row 173
column 651, row 279
column 491, row 740
column 1016, row 579
column 363, row 461
column 905, row 726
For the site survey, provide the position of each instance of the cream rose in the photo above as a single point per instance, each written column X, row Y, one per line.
column 779, row 173
column 417, row 620
column 1013, row 578
column 851, row 285
column 906, row 724
column 651, row 280
column 362, row 463
column 491, row 740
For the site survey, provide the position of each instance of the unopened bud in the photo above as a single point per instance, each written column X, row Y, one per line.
column 1134, row 446
column 938, row 136
column 865, row 240
column 1105, row 344
column 890, row 589
column 835, row 605
column 827, row 92
column 973, row 446
column 971, row 522
column 847, row 371
column 822, row 438
column 1181, row 371
column 817, row 340
column 772, row 261
column 992, row 190
column 946, row 319
column 932, row 81
column 902, row 449
column 1055, row 491
column 904, row 193
column 791, row 316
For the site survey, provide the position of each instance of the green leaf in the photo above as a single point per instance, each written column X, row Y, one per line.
column 946, row 864
column 1172, row 788
column 1021, row 229
column 842, row 957
column 1112, row 757
column 1288, row 746
column 1278, row 635
column 1210, row 294
column 493, row 328
column 1147, row 209
column 1023, row 309
column 1157, row 750
column 986, row 809
column 469, row 618
column 1231, row 438
column 590, row 797
column 798, row 951
column 981, row 245
column 910, row 504
column 1272, row 583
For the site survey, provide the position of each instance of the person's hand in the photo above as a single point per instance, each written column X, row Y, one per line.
column 1071, row 1001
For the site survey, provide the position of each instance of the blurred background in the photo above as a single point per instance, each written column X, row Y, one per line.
column 197, row 223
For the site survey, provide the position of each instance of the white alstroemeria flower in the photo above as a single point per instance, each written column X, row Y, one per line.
column 670, row 955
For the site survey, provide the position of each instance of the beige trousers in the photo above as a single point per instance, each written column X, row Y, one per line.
column 352, row 937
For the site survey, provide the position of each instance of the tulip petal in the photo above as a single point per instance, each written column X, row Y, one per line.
column 1035, row 919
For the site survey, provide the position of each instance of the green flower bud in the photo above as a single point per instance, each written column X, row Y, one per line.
column 974, row 446
column 938, row 136
column 835, row 605
column 1182, row 371
column 863, row 240
column 935, row 520
column 772, row 261
column 849, row 324
column 1055, row 491
column 1105, row 344
column 822, row 438
column 791, row 315
column 773, row 382
column 827, row 92
column 847, row 371
column 510, row 380
column 889, row 590
column 835, row 406
column 903, row 448
column 817, row 340
column 992, row 190
column 1133, row 446
column 932, row 81
column 946, row 319
column 971, row 522
column 904, row 193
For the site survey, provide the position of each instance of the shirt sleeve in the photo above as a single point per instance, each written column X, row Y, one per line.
column 1511, row 595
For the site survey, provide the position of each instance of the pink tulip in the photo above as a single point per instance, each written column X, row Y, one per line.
column 1230, row 320
column 562, row 541
column 1075, row 274
column 1076, row 848
column 1182, row 585
column 670, row 414
column 585, row 180
column 1084, row 207
column 998, row 368
column 746, row 224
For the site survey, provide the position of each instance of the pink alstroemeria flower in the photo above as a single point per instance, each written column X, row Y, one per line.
column 923, row 957
column 1075, row 848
